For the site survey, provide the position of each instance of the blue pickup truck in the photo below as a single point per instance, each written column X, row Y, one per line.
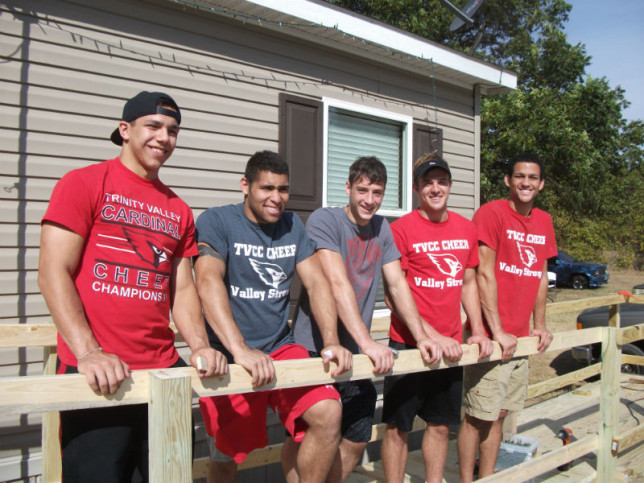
column 576, row 274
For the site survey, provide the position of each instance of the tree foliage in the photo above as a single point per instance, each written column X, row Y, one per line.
column 593, row 157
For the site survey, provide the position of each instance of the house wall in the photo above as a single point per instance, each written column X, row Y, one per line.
column 67, row 68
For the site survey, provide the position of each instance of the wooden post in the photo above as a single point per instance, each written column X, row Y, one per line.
column 50, row 445
column 610, row 375
column 614, row 319
column 170, row 427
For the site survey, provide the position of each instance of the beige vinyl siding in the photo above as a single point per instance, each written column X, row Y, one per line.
column 67, row 68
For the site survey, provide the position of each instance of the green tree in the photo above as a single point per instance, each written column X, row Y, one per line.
column 593, row 157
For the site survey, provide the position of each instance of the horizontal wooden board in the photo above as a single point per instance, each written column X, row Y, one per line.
column 36, row 394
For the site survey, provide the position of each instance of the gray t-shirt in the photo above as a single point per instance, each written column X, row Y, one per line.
column 260, row 264
column 364, row 251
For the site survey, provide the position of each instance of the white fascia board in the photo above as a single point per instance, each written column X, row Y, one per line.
column 393, row 38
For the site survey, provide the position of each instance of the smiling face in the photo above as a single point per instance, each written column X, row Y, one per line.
column 266, row 197
column 433, row 189
column 365, row 199
column 147, row 143
column 525, row 184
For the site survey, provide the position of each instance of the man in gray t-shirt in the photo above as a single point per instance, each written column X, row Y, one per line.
column 354, row 246
column 364, row 249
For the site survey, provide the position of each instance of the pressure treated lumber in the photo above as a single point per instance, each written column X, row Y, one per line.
column 609, row 405
column 625, row 440
column 555, row 383
column 170, row 427
column 546, row 462
column 32, row 394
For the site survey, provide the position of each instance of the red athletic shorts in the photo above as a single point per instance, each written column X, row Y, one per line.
column 238, row 422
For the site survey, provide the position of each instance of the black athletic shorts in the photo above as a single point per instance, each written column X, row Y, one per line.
column 358, row 408
column 435, row 396
column 105, row 444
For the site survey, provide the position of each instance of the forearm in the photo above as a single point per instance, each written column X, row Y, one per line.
column 60, row 252
column 189, row 319
column 407, row 311
column 219, row 316
column 349, row 312
column 472, row 303
column 67, row 311
column 489, row 301
column 539, row 311
column 324, row 311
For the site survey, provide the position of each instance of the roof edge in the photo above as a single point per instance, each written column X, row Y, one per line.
column 495, row 78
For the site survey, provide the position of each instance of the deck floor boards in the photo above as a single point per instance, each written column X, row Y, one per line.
column 577, row 410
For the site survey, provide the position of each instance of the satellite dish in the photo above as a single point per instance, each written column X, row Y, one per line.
column 462, row 16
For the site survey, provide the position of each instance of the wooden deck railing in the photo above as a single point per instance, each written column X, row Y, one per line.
column 170, row 393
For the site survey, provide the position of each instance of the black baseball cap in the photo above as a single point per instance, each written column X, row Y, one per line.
column 144, row 104
column 430, row 164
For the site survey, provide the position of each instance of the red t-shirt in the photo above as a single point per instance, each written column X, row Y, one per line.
column 522, row 245
column 133, row 228
column 435, row 257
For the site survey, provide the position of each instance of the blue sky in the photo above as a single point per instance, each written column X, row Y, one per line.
column 613, row 32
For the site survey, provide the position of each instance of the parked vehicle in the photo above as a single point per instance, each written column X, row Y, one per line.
column 552, row 286
column 630, row 314
column 576, row 274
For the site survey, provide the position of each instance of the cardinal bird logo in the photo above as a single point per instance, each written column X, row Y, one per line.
column 447, row 264
column 527, row 253
column 362, row 256
column 270, row 273
column 146, row 248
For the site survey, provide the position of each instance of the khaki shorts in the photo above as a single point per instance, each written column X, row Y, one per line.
column 490, row 387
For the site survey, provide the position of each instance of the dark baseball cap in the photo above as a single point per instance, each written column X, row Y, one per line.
column 430, row 164
column 144, row 104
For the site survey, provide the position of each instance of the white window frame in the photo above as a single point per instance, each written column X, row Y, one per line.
column 406, row 121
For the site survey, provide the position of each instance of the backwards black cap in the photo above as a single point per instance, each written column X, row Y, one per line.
column 144, row 104
column 431, row 163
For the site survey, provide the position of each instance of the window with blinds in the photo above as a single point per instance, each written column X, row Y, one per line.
column 354, row 133
column 321, row 138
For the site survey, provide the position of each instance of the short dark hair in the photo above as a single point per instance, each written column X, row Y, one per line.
column 264, row 161
column 526, row 158
column 368, row 167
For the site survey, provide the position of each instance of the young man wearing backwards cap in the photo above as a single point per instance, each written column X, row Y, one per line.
column 439, row 253
column 115, row 259
column 515, row 241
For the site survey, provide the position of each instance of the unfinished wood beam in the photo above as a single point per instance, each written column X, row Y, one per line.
column 546, row 462
column 630, row 334
column 614, row 319
column 627, row 439
column 37, row 335
column 32, row 394
column 271, row 454
column 28, row 335
column 635, row 360
column 170, row 427
column 50, row 443
column 555, row 383
column 609, row 405
column 572, row 305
